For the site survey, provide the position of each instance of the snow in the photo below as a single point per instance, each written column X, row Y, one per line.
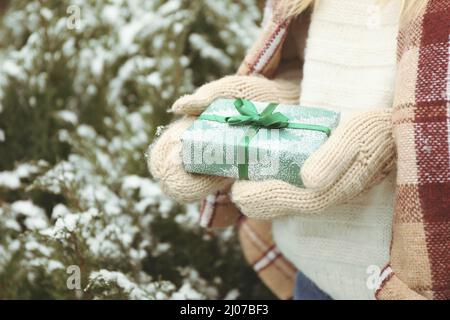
column 232, row 295
column 150, row 194
column 161, row 248
column 132, row 182
column 35, row 246
column 190, row 218
column 98, row 62
column 86, row 131
column 12, row 69
column 54, row 265
column 26, row 207
column 69, row 222
column 12, row 179
column 35, row 218
column 68, row 48
column 9, row 180
column 207, row 51
column 178, row 28
column 46, row 13
column 59, row 211
column 130, row 59
column 111, row 13
column 154, row 79
column 170, row 7
column 121, row 280
column 14, row 245
column 12, row 225
column 48, row 264
column 187, row 292
column 25, row 170
column 68, row 116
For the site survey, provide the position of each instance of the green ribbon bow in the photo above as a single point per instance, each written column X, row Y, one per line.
column 249, row 116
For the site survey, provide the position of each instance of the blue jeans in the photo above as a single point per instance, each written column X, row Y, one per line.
column 305, row 289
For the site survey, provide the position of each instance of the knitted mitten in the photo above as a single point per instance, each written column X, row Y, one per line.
column 165, row 154
column 283, row 89
column 357, row 155
column 165, row 164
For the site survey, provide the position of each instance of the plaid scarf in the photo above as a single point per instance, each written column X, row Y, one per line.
column 420, row 249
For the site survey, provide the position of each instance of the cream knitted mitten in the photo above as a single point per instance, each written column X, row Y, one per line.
column 165, row 164
column 357, row 156
column 165, row 153
column 283, row 89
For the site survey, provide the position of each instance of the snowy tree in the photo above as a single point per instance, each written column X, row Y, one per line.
column 83, row 88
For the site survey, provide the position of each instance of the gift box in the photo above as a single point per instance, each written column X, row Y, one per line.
column 257, row 141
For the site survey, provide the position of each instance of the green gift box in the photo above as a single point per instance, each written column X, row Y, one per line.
column 257, row 141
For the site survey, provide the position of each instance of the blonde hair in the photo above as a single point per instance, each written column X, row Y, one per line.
column 410, row 8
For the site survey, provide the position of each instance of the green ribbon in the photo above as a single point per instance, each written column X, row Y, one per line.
column 249, row 116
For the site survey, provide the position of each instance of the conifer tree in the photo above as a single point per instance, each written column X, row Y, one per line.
column 84, row 86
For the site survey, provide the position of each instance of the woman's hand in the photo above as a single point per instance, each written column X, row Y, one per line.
column 165, row 154
column 357, row 156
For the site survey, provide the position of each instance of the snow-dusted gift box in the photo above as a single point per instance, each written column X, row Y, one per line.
column 249, row 140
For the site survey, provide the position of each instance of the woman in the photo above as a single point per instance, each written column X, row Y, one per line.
column 342, row 55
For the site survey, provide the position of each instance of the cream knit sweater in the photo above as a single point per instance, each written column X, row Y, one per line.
column 349, row 66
